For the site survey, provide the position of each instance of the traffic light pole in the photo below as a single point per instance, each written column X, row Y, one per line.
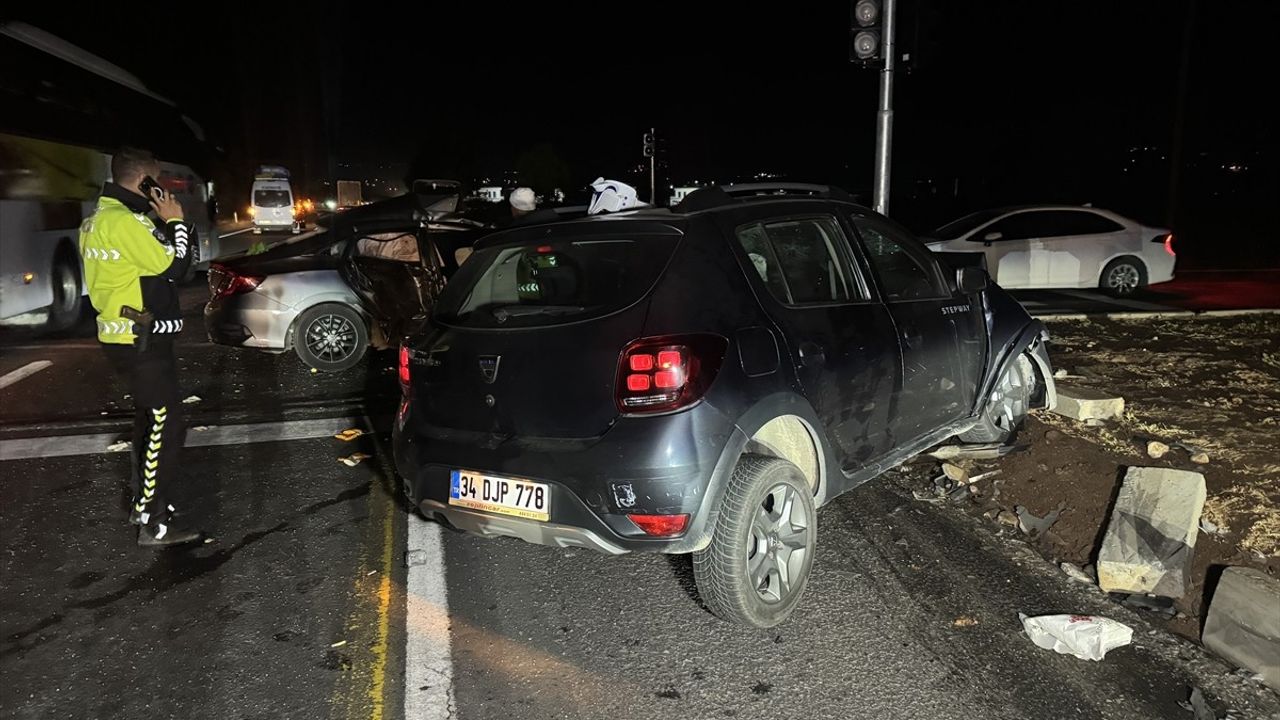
column 653, row 169
column 884, row 120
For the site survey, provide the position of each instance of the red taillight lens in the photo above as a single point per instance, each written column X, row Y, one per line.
column 661, row 525
column 1168, row 245
column 224, row 282
column 661, row 374
column 404, row 367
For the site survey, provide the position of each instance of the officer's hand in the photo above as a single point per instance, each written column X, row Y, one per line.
column 166, row 206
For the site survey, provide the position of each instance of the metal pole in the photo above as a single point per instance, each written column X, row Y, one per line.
column 884, row 120
column 653, row 172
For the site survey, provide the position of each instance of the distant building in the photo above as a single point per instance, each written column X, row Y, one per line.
column 490, row 193
column 678, row 193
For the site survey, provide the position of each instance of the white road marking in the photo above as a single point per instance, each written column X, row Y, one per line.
column 23, row 372
column 96, row 443
column 428, row 665
column 1099, row 297
column 233, row 234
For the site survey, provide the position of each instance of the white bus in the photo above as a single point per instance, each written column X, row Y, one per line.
column 62, row 112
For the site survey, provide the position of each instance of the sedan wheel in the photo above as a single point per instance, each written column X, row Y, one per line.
column 1123, row 276
column 331, row 337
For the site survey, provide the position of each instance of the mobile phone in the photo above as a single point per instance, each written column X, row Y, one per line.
column 149, row 186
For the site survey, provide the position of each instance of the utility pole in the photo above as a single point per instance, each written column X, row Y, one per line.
column 651, row 152
column 884, row 119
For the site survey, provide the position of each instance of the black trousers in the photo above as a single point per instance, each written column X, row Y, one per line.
column 151, row 377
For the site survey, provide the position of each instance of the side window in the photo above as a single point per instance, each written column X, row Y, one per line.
column 905, row 269
column 1086, row 223
column 1022, row 226
column 799, row 260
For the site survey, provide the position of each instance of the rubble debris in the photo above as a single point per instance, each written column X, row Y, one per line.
column 1075, row 573
column 1196, row 703
column 1208, row 527
column 1152, row 532
column 980, row 451
column 200, row 428
column 1157, row 449
column 1084, row 404
column 925, row 497
column 354, row 459
column 1164, row 606
column 1087, row 637
column 191, row 399
column 1004, row 517
column 1243, row 625
column 955, row 473
column 120, row 446
column 1033, row 526
column 964, row 621
column 1200, row 458
column 1059, row 373
column 349, row 434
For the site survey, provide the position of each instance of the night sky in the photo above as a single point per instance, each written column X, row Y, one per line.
column 1013, row 100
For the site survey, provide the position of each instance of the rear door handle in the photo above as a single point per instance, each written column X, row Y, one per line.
column 812, row 354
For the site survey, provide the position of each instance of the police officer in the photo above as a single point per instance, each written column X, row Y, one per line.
column 131, row 268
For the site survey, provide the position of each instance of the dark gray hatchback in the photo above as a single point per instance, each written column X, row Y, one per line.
column 700, row 380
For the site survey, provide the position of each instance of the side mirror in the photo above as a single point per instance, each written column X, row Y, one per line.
column 970, row 280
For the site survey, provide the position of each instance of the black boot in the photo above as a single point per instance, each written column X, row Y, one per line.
column 137, row 517
column 162, row 535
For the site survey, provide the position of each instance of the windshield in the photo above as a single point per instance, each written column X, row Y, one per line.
column 966, row 224
column 271, row 198
column 553, row 281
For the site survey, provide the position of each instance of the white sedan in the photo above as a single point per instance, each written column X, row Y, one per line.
column 1062, row 247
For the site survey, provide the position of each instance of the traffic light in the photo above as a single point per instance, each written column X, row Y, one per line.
column 866, row 18
column 648, row 145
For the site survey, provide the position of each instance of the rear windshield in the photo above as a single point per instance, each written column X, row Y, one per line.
column 554, row 281
column 271, row 198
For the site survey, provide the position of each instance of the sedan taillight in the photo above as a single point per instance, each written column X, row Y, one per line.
column 1167, row 240
column 224, row 282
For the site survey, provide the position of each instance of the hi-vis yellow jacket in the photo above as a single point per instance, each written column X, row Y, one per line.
column 129, row 261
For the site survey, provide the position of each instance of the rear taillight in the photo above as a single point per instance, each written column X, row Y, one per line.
column 404, row 368
column 224, row 282
column 661, row 525
column 661, row 374
column 1167, row 239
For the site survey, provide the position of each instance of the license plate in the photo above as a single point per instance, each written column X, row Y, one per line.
column 505, row 496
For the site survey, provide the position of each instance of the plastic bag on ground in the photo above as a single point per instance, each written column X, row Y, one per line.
column 1088, row 637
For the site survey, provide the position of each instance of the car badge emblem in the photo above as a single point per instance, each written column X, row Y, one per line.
column 489, row 367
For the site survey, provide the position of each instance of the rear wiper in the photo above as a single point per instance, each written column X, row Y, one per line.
column 505, row 313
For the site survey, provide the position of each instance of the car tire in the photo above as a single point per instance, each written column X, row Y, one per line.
column 1123, row 276
column 767, row 511
column 68, row 290
column 330, row 337
column 1007, row 407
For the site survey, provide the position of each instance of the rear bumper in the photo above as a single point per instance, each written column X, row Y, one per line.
column 245, row 321
column 665, row 465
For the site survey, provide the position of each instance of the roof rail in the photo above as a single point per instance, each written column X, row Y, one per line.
column 717, row 196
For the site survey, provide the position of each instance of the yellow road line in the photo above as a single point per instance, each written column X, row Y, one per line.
column 377, row 687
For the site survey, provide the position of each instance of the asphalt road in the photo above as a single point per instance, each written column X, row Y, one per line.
column 322, row 595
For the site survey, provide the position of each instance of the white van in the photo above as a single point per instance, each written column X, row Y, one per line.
column 272, row 202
